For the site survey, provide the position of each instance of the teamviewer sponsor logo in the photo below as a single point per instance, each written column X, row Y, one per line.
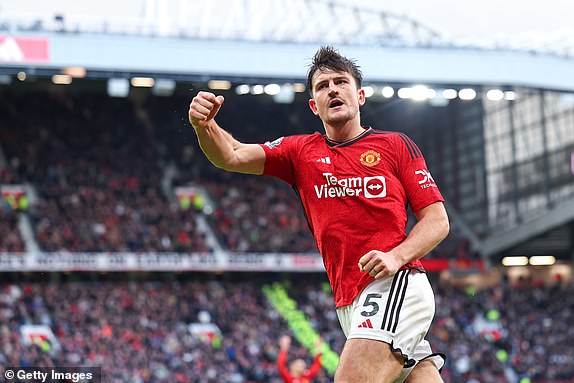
column 375, row 187
column 370, row 187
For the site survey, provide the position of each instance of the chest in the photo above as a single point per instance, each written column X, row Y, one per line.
column 364, row 172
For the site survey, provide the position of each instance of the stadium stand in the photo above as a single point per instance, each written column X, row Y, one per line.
column 98, row 181
column 138, row 330
column 105, row 173
column 9, row 232
column 99, row 175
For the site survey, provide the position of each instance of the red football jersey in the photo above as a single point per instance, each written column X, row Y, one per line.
column 307, row 376
column 354, row 195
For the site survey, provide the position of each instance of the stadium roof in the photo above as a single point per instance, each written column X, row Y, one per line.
column 291, row 21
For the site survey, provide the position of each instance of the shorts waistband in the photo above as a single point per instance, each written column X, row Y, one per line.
column 414, row 269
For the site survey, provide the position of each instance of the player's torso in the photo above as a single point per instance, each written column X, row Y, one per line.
column 352, row 188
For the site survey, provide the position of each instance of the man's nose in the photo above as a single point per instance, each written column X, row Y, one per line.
column 332, row 88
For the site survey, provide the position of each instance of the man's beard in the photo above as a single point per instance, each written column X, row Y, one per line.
column 340, row 118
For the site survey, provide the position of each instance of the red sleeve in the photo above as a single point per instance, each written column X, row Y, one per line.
column 420, row 186
column 315, row 368
column 282, row 366
column 279, row 158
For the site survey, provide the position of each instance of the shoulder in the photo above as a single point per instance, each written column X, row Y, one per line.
column 312, row 137
column 399, row 141
column 389, row 135
column 293, row 139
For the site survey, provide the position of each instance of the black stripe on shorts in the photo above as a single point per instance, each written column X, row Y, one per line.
column 395, row 301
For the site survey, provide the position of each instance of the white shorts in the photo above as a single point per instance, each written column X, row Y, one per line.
column 397, row 310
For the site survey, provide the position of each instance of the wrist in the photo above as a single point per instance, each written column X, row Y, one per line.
column 401, row 257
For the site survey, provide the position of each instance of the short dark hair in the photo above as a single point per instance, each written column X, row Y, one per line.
column 328, row 57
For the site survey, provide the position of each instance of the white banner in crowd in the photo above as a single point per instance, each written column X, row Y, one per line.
column 161, row 262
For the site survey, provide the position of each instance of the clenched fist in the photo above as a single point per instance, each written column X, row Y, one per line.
column 203, row 109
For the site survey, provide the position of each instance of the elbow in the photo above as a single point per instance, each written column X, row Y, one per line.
column 443, row 227
column 227, row 166
column 229, row 163
column 446, row 228
column 223, row 164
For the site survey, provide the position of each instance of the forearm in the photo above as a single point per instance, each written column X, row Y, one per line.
column 427, row 233
column 217, row 144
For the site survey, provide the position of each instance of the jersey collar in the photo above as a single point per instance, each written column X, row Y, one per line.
column 332, row 143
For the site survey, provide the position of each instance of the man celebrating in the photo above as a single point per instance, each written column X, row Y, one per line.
column 297, row 371
column 355, row 183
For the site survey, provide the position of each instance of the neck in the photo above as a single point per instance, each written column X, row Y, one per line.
column 343, row 133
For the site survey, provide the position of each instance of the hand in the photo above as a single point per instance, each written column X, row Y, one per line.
column 318, row 345
column 203, row 109
column 285, row 342
column 379, row 264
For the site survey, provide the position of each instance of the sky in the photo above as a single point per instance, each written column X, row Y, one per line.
column 465, row 20
column 471, row 18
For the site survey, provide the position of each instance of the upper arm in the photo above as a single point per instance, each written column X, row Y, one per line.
column 420, row 187
column 248, row 159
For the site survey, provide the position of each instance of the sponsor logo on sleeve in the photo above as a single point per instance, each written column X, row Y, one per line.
column 425, row 179
column 274, row 143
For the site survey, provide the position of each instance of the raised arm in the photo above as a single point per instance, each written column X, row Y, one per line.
column 284, row 344
column 219, row 146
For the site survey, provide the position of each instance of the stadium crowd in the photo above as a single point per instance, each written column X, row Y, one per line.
column 99, row 183
column 105, row 173
column 9, row 231
column 138, row 331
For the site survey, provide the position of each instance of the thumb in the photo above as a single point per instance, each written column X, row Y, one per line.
column 218, row 102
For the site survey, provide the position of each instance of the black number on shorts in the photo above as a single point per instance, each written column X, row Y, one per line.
column 375, row 305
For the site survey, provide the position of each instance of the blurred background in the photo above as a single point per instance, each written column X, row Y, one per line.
column 122, row 247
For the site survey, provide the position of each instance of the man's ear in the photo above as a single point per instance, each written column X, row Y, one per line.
column 362, row 98
column 313, row 106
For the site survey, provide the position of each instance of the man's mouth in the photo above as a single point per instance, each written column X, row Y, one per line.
column 335, row 103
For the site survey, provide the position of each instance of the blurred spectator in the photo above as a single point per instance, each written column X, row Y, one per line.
column 297, row 370
column 98, row 176
column 138, row 330
column 104, row 169
column 10, row 238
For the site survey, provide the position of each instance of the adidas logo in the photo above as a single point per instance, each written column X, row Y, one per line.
column 325, row 160
column 366, row 324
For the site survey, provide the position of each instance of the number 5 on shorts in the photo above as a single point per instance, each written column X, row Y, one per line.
column 374, row 305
